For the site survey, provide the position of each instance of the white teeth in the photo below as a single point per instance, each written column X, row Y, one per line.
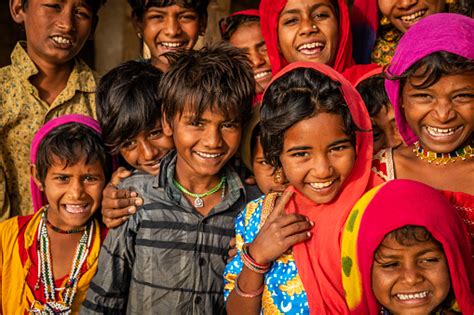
column 411, row 17
column 171, row 44
column 208, row 155
column 438, row 132
column 75, row 208
column 413, row 296
column 311, row 45
column 261, row 74
column 321, row 185
column 61, row 40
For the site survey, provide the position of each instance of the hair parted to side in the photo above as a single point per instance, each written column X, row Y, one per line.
column 432, row 67
column 71, row 143
column 298, row 95
column 128, row 102
column 95, row 5
column 217, row 78
column 372, row 91
column 230, row 24
column 139, row 7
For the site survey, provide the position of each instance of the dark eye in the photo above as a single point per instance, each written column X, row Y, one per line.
column 157, row 133
column 158, row 17
column 188, row 17
column 62, row 178
column 464, row 98
column 300, row 154
column 196, row 123
column 229, row 125
column 55, row 6
column 390, row 265
column 128, row 145
column 90, row 178
column 290, row 21
column 83, row 13
column 318, row 16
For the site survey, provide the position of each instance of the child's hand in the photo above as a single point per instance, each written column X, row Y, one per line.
column 280, row 232
column 232, row 249
column 118, row 204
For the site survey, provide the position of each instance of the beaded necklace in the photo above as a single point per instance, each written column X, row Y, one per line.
column 45, row 270
column 443, row 158
column 198, row 202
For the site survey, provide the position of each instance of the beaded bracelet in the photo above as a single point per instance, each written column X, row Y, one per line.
column 243, row 294
column 250, row 263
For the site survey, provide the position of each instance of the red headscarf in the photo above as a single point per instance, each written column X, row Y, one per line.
column 319, row 259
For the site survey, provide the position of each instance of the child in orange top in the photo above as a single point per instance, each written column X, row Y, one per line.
column 48, row 259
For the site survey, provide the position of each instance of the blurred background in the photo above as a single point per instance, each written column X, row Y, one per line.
column 115, row 39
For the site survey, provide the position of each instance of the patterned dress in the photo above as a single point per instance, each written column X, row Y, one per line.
column 283, row 292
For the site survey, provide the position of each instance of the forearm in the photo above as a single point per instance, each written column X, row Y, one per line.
column 248, row 282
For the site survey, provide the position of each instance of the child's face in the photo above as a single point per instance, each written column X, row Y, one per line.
column 248, row 37
column 403, row 14
column 266, row 178
column 74, row 192
column 168, row 29
column 318, row 156
column 308, row 31
column 442, row 114
column 146, row 150
column 55, row 30
column 410, row 279
column 386, row 133
column 203, row 144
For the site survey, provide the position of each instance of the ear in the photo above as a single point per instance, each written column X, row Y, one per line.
column 167, row 127
column 203, row 25
column 138, row 25
column 17, row 11
column 34, row 176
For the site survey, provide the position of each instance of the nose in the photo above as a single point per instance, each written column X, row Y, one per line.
column 443, row 110
column 405, row 4
column 76, row 189
column 256, row 58
column 172, row 26
column 307, row 26
column 146, row 151
column 65, row 20
column 411, row 275
column 322, row 167
column 212, row 137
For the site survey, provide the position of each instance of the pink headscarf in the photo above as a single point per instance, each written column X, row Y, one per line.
column 449, row 32
column 39, row 198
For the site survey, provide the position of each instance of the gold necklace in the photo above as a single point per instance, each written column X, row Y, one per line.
column 443, row 158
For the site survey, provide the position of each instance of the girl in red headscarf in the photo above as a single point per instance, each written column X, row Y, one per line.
column 309, row 30
column 316, row 127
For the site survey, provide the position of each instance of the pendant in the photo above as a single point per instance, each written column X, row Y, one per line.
column 198, row 203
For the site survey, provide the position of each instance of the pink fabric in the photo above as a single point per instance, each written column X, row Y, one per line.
column 406, row 202
column 269, row 13
column 449, row 32
column 39, row 199
column 319, row 259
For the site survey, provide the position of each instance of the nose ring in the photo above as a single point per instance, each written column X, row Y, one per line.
column 313, row 27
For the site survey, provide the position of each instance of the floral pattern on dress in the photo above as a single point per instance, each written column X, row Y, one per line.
column 283, row 292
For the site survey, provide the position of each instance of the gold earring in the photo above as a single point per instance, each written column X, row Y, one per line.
column 384, row 21
column 139, row 35
column 277, row 176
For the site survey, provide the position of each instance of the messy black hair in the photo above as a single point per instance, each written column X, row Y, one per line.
column 218, row 78
column 128, row 102
column 230, row 24
column 95, row 5
column 431, row 68
column 139, row 7
column 372, row 91
column 70, row 143
column 297, row 95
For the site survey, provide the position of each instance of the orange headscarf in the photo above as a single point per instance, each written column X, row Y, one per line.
column 319, row 259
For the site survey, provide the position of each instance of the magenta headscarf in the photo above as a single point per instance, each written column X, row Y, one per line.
column 39, row 198
column 449, row 32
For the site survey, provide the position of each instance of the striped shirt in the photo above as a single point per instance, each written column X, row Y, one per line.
column 167, row 258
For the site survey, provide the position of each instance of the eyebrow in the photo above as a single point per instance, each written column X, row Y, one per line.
column 339, row 142
column 298, row 148
column 312, row 8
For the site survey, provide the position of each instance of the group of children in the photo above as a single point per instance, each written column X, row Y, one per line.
column 357, row 192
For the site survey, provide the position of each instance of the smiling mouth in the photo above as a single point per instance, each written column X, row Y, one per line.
column 406, row 297
column 262, row 74
column 414, row 17
column 441, row 132
column 76, row 208
column 61, row 41
column 173, row 45
column 322, row 185
column 311, row 48
column 209, row 155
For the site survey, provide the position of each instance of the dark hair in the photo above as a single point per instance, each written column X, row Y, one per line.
column 218, row 77
column 139, row 7
column 230, row 24
column 71, row 143
column 256, row 135
column 297, row 95
column 128, row 102
column 93, row 4
column 432, row 67
column 372, row 91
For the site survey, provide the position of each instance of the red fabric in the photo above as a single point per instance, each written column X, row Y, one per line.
column 354, row 73
column 319, row 259
column 269, row 13
column 251, row 12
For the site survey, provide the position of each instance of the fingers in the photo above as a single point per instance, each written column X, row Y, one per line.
column 113, row 223
column 279, row 208
column 231, row 254
column 119, row 174
column 113, row 198
column 232, row 242
column 112, row 214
